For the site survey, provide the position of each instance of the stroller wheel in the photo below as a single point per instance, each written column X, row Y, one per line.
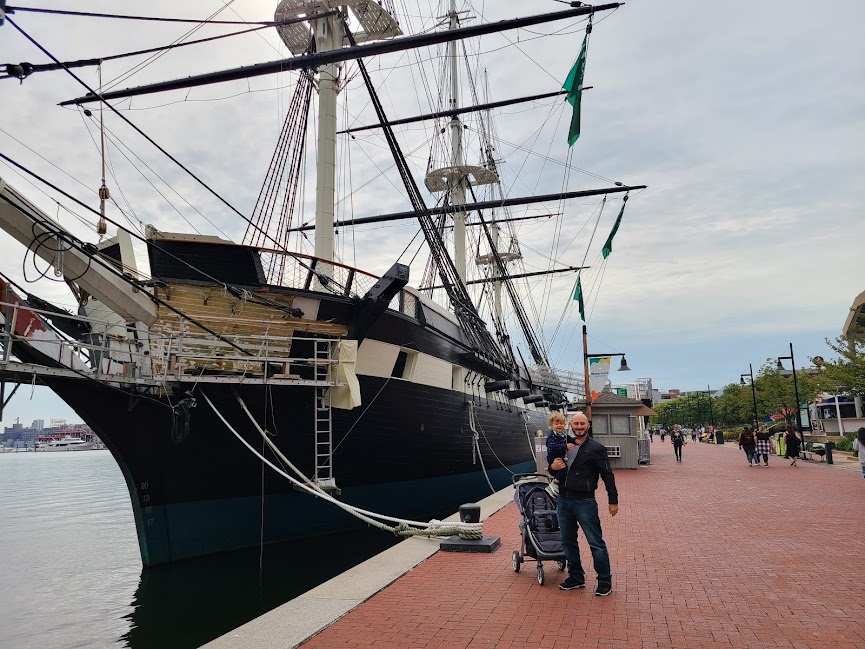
column 562, row 564
column 540, row 573
column 517, row 560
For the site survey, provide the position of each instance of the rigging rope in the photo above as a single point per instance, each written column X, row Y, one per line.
column 403, row 527
column 472, row 324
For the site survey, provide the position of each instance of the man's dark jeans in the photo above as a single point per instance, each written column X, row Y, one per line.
column 583, row 512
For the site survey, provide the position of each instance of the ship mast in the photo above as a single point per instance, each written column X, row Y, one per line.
column 328, row 36
column 320, row 35
column 454, row 178
column 458, row 187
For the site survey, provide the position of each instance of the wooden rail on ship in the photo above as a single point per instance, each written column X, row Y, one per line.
column 175, row 355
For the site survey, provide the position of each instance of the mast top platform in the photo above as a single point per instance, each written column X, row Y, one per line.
column 443, row 179
column 376, row 22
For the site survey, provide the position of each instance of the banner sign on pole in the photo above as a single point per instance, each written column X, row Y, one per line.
column 599, row 371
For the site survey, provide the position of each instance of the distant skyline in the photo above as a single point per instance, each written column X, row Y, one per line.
column 45, row 405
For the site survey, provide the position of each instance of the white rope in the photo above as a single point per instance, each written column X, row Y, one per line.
column 477, row 445
column 432, row 528
column 525, row 418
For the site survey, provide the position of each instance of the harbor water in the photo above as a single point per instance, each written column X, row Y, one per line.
column 71, row 575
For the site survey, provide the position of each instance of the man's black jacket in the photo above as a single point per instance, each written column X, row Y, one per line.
column 583, row 472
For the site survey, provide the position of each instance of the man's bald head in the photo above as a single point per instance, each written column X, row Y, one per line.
column 580, row 427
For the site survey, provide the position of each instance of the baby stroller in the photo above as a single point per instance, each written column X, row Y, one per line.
column 539, row 525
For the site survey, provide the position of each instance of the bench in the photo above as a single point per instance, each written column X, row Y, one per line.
column 814, row 449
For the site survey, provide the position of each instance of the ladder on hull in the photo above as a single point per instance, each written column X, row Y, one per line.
column 322, row 414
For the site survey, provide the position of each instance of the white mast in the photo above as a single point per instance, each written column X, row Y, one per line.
column 458, row 189
column 328, row 36
column 328, row 33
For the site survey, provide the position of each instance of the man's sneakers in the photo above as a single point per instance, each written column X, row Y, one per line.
column 603, row 590
column 570, row 584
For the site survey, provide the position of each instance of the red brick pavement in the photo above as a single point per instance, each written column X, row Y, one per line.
column 707, row 553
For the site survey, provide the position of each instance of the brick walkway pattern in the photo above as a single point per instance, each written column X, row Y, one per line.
column 706, row 553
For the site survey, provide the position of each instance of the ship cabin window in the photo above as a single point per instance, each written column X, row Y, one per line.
column 404, row 366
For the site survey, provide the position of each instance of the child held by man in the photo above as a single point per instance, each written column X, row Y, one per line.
column 559, row 440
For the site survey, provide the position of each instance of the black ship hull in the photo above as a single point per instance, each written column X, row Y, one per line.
column 409, row 451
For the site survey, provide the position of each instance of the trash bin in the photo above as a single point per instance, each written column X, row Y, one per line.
column 719, row 436
column 829, row 446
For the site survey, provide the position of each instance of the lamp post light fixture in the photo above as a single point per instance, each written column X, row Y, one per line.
column 623, row 367
column 780, row 366
column 753, row 393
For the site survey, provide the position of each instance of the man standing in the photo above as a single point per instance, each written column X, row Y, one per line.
column 577, row 507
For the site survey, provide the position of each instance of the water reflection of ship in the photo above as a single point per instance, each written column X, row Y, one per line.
column 202, row 599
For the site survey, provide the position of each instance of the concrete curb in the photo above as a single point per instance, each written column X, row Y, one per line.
column 303, row 617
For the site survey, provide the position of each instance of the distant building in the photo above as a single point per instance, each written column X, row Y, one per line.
column 17, row 432
column 38, row 424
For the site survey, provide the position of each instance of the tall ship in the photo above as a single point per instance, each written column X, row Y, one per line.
column 244, row 387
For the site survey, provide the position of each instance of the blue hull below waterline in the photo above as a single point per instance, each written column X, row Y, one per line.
column 208, row 527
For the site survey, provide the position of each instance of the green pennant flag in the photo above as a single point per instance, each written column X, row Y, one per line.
column 608, row 246
column 578, row 295
column 574, row 86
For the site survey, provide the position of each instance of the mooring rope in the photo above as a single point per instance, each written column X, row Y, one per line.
column 403, row 527
column 472, row 417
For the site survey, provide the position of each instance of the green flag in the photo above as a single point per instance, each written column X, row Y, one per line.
column 574, row 86
column 578, row 296
column 608, row 246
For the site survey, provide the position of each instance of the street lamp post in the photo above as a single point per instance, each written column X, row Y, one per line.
column 690, row 416
column 711, row 412
column 796, row 391
column 623, row 367
column 753, row 393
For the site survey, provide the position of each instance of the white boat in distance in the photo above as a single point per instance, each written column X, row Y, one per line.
column 66, row 443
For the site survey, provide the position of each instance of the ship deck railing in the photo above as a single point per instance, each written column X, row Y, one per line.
column 300, row 271
column 110, row 353
column 559, row 379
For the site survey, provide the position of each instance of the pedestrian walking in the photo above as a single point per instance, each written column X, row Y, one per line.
column 859, row 448
column 792, row 440
column 663, row 434
column 748, row 443
column 651, row 434
column 577, row 508
column 764, row 446
column 678, row 439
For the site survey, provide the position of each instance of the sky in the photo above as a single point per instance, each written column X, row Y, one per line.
column 745, row 120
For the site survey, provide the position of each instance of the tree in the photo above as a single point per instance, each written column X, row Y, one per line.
column 776, row 393
column 733, row 406
column 847, row 373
